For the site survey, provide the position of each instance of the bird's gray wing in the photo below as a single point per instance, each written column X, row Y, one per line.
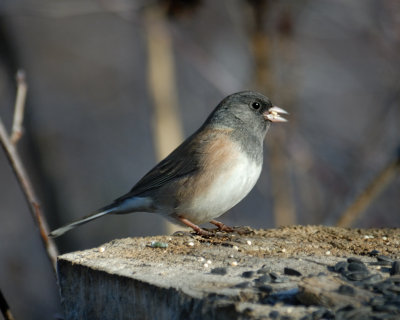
column 181, row 162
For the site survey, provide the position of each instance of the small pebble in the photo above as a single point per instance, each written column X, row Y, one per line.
column 264, row 270
column 263, row 279
column 354, row 260
column 273, row 275
column 243, row 285
column 274, row 314
column 346, row 290
column 205, row 265
column 395, row 270
column 248, row 242
column 102, row 249
column 340, row 266
column 353, row 266
column 356, row 275
column 209, row 261
column 373, row 253
column 278, row 279
column 265, row 288
column 220, row 271
column 291, row 272
column 384, row 258
column 235, row 248
column 328, row 253
column 158, row 244
column 248, row 274
column 190, row 244
column 384, row 238
column 234, row 263
column 201, row 259
column 373, row 278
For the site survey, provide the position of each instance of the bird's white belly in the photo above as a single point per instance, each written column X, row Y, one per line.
column 227, row 189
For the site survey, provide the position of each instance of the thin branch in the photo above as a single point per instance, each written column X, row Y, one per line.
column 22, row 88
column 4, row 307
column 30, row 196
column 372, row 191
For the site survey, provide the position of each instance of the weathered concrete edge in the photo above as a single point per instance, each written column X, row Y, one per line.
column 87, row 293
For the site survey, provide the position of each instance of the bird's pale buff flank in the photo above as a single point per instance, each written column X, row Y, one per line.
column 209, row 173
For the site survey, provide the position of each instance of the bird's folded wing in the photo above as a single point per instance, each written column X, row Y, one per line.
column 181, row 162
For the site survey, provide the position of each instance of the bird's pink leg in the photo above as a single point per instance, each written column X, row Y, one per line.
column 195, row 227
column 221, row 226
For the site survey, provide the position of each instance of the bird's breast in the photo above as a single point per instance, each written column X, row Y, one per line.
column 228, row 174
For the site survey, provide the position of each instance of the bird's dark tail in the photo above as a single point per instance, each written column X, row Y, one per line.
column 124, row 204
column 99, row 213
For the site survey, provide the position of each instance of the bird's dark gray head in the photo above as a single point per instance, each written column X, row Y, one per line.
column 246, row 110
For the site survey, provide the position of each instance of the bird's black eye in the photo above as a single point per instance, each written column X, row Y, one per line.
column 256, row 105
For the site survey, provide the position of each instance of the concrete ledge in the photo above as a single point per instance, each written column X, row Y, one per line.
column 266, row 273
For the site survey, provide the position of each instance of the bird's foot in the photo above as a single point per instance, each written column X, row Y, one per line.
column 221, row 226
column 196, row 228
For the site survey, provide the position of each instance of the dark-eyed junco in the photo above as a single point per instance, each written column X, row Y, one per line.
column 209, row 173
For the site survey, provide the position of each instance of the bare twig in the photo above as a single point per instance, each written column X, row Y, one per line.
column 372, row 191
column 167, row 126
column 30, row 196
column 17, row 129
column 5, row 308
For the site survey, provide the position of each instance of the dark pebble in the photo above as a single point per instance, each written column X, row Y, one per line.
column 360, row 313
column 322, row 313
column 395, row 289
column 355, row 266
column 226, row 244
column 291, row 272
column 273, row 275
column 328, row 315
column 373, row 253
column 248, row 274
column 278, row 279
column 243, row 285
column 264, row 270
column 340, row 266
column 390, row 308
column 346, row 290
column 381, row 263
column 384, row 258
column 383, row 287
column 395, row 268
column 356, row 275
column 354, row 260
column 274, row 314
column 346, row 308
column 373, row 278
column 377, row 301
column 263, row 279
column 265, row 288
column 220, row 271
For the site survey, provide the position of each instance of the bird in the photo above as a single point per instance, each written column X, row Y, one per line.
column 209, row 173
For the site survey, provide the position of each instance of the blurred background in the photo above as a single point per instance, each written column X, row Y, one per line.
column 115, row 85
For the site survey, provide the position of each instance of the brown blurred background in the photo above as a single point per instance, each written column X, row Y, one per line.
column 113, row 85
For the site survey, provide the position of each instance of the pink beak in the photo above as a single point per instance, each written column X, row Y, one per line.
column 273, row 114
